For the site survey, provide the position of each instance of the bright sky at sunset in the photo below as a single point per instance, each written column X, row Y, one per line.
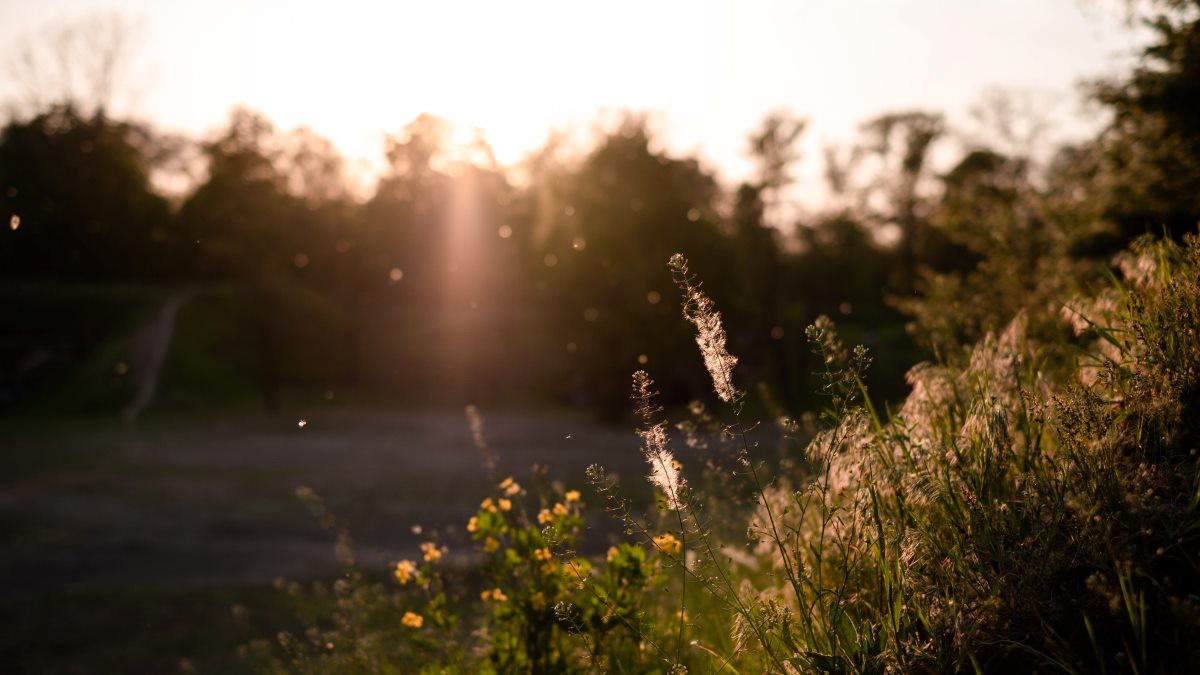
column 353, row 70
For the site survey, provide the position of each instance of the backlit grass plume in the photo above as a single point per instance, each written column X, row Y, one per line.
column 664, row 470
column 710, row 333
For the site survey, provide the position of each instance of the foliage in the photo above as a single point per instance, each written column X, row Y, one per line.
column 1006, row 518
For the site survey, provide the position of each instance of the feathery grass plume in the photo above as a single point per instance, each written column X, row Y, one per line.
column 699, row 310
column 664, row 471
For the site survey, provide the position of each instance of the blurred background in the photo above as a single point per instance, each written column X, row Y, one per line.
column 249, row 246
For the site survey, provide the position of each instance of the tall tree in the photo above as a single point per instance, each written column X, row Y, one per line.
column 77, row 196
column 1151, row 151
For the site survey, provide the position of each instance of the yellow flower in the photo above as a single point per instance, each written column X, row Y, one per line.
column 405, row 571
column 490, row 545
column 494, row 594
column 472, row 524
column 612, row 553
column 537, row 601
column 506, row 482
column 487, row 505
column 683, row 615
column 667, row 543
column 560, row 510
column 505, row 505
column 542, row 554
column 550, row 567
column 512, row 489
column 572, row 496
column 413, row 620
column 432, row 552
column 677, row 464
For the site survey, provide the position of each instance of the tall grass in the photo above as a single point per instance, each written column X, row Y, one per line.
column 1009, row 516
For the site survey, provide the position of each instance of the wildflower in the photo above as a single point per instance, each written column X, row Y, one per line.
column 542, row 554
column 537, row 601
column 431, row 551
column 572, row 496
column 412, row 620
column 667, row 543
column 472, row 524
column 612, row 553
column 510, row 486
column 505, row 504
column 405, row 571
column 495, row 595
column 560, row 510
column 506, row 482
column 490, row 545
column 544, row 516
column 488, row 505
column 549, row 567
column 683, row 615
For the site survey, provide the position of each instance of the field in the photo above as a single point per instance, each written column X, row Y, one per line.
column 127, row 548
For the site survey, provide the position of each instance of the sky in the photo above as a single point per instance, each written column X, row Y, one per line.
column 707, row 72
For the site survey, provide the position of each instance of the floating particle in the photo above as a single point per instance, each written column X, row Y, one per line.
column 572, row 347
column 654, row 297
column 396, row 274
column 693, row 215
column 643, row 359
column 504, row 231
column 579, row 243
column 15, row 221
column 550, row 260
column 777, row 333
column 121, row 368
column 302, row 423
column 301, row 260
column 591, row 314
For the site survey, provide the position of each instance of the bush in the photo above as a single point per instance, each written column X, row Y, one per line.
column 1008, row 517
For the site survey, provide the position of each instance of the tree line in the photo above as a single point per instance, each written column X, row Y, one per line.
column 459, row 279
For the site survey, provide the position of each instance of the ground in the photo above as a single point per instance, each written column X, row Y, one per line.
column 125, row 547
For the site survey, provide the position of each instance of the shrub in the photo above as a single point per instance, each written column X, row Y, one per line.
column 1007, row 517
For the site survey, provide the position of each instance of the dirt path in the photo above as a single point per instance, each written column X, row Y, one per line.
column 211, row 501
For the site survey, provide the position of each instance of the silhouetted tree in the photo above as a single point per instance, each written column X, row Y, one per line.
column 1151, row 151
column 78, row 195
